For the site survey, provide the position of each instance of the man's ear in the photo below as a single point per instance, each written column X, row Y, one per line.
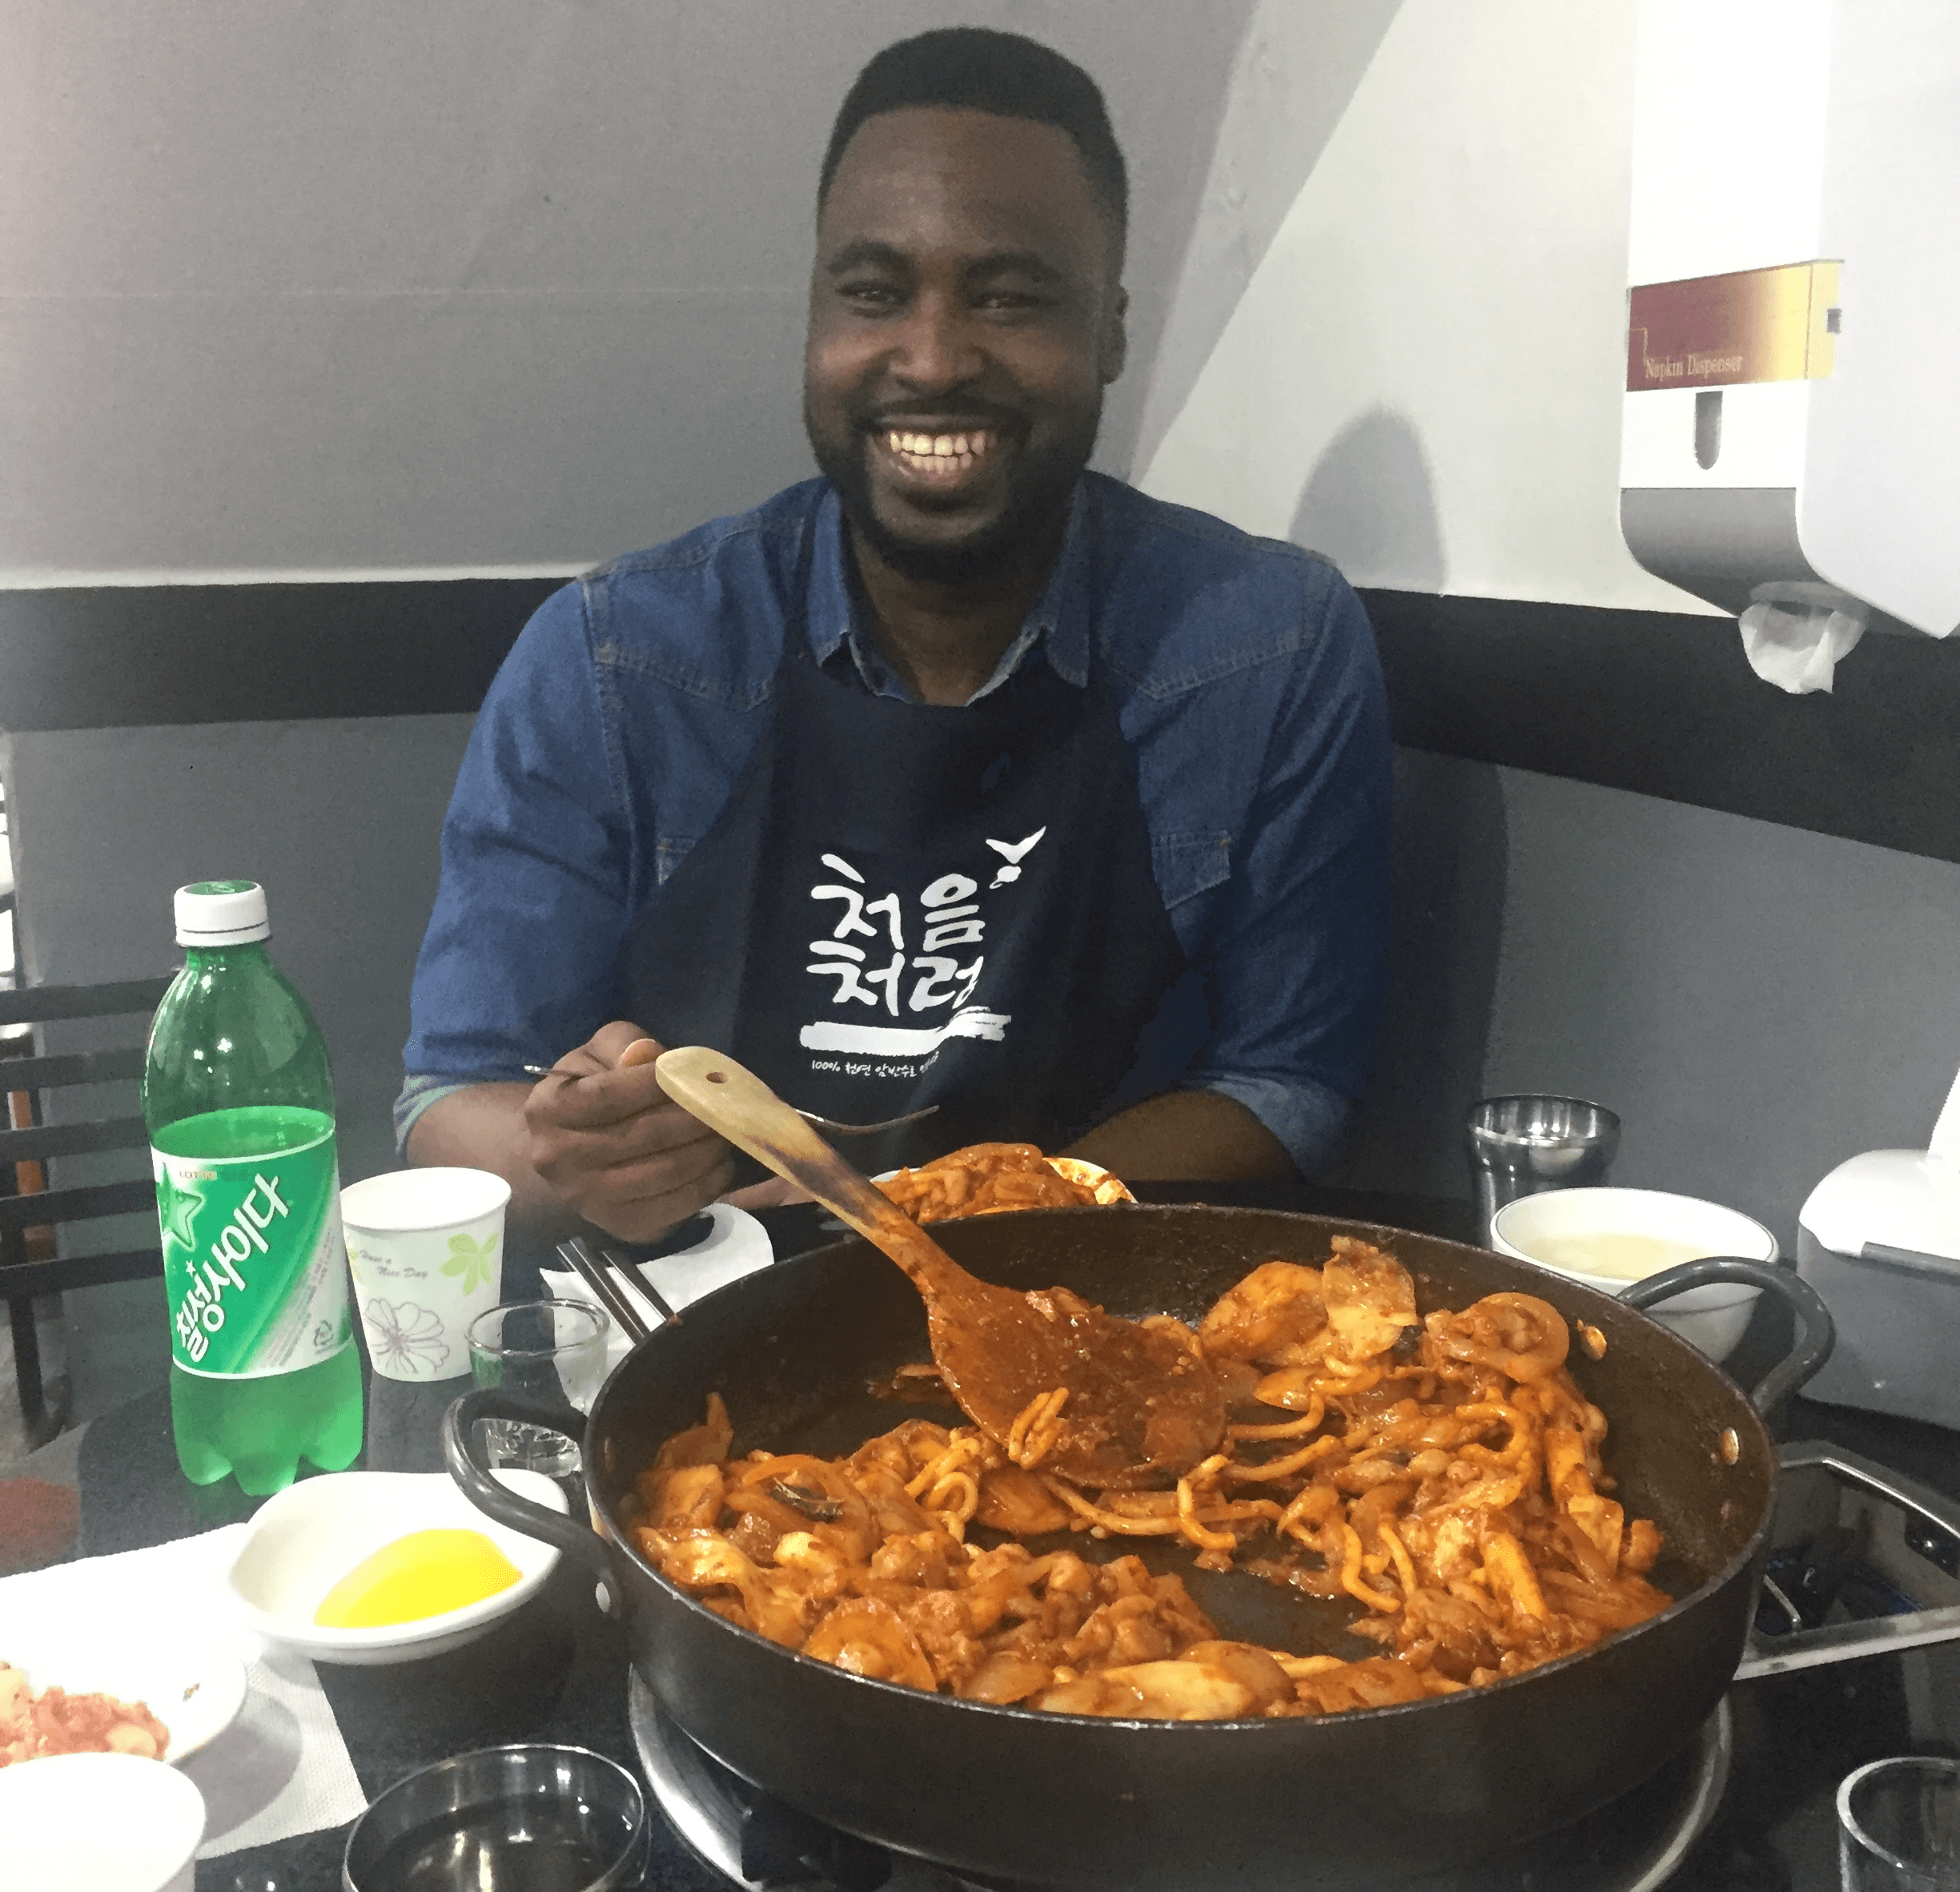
column 1115, row 343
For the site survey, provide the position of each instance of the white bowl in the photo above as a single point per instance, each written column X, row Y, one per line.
column 193, row 1686
column 73, row 1821
column 1713, row 1319
column 309, row 1537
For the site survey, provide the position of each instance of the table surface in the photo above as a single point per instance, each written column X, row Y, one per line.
column 557, row 1670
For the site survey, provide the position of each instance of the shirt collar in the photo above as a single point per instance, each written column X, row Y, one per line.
column 1059, row 622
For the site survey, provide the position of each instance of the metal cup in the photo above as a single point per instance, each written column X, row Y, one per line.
column 499, row 1819
column 1521, row 1145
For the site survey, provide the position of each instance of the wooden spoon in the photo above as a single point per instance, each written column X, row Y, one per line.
column 1142, row 1408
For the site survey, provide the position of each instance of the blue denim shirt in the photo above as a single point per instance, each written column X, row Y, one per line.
column 1245, row 679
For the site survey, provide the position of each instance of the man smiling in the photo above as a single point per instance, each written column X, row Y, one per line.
column 959, row 777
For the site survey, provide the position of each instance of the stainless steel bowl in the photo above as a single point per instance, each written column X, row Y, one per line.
column 528, row 1818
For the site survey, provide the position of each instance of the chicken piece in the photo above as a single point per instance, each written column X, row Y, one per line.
column 707, row 1444
column 691, row 1499
column 777, row 1606
column 826, row 1567
column 1275, row 1308
column 867, row 1637
column 892, row 1507
column 1126, row 1631
column 1370, row 1298
column 919, row 1559
column 704, row 1444
column 1001, row 1583
column 1643, row 1547
column 943, row 1625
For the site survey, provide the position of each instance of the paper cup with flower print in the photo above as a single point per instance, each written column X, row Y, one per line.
column 425, row 1248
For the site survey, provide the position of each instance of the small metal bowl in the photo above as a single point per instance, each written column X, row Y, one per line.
column 528, row 1818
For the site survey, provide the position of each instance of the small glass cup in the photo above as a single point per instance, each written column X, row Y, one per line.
column 1898, row 1825
column 553, row 1352
column 1520, row 1145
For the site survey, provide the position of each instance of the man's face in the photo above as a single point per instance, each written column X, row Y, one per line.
column 965, row 318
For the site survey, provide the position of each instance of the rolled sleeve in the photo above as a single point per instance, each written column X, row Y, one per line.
column 1294, row 972
column 418, row 1092
column 1309, row 1120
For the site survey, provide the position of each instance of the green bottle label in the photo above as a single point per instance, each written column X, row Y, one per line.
column 254, row 1263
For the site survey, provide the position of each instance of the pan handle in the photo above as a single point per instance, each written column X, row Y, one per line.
column 1813, row 1345
column 458, row 1428
column 1929, row 1514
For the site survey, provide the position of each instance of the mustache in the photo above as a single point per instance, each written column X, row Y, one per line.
column 939, row 420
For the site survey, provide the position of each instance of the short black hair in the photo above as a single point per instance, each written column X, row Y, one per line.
column 976, row 69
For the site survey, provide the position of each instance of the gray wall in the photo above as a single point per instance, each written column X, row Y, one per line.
column 340, row 821
column 1757, row 1002
column 470, row 285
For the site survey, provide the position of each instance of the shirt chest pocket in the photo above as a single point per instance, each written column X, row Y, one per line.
column 1191, row 867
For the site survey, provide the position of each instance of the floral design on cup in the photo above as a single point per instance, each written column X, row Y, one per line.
column 471, row 1262
column 404, row 1336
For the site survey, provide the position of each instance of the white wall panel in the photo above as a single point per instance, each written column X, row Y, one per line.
column 1424, row 379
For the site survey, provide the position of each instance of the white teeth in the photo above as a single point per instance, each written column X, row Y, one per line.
column 963, row 449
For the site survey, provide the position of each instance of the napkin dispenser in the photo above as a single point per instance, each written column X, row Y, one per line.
column 1791, row 450
column 1879, row 1239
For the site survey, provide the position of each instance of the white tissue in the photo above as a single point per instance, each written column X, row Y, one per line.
column 1797, row 645
column 736, row 1245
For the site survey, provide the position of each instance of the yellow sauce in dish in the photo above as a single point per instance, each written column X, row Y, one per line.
column 426, row 1574
column 1615, row 1257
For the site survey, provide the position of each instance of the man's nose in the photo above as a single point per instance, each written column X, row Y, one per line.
column 937, row 347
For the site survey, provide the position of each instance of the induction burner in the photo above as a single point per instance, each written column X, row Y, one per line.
column 753, row 1840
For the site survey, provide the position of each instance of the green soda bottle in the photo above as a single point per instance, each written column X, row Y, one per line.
column 239, row 1098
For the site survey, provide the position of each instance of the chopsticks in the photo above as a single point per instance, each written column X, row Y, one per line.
column 592, row 1269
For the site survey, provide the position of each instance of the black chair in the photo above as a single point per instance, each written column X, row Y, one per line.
column 31, row 1214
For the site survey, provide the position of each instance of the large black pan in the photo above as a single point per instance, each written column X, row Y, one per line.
column 1352, row 1800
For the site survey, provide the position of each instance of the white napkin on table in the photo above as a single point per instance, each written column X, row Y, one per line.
column 281, row 1769
column 736, row 1245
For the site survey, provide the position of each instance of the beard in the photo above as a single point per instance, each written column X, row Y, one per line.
column 1038, row 502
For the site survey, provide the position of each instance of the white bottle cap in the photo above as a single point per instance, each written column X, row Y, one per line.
column 221, row 913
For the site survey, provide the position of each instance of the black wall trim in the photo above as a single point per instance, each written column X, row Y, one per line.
column 115, row 657
column 1652, row 702
column 1666, row 704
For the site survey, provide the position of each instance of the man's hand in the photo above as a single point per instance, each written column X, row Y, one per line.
column 613, row 1147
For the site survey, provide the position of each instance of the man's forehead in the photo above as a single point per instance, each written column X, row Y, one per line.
column 938, row 171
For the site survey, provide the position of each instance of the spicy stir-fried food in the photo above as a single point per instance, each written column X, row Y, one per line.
column 55, row 1722
column 984, row 1179
column 1443, row 1470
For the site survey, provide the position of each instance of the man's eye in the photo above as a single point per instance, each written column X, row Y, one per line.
column 1010, row 301
column 869, row 294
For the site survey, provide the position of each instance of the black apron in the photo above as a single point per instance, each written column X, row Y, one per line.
column 904, row 903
